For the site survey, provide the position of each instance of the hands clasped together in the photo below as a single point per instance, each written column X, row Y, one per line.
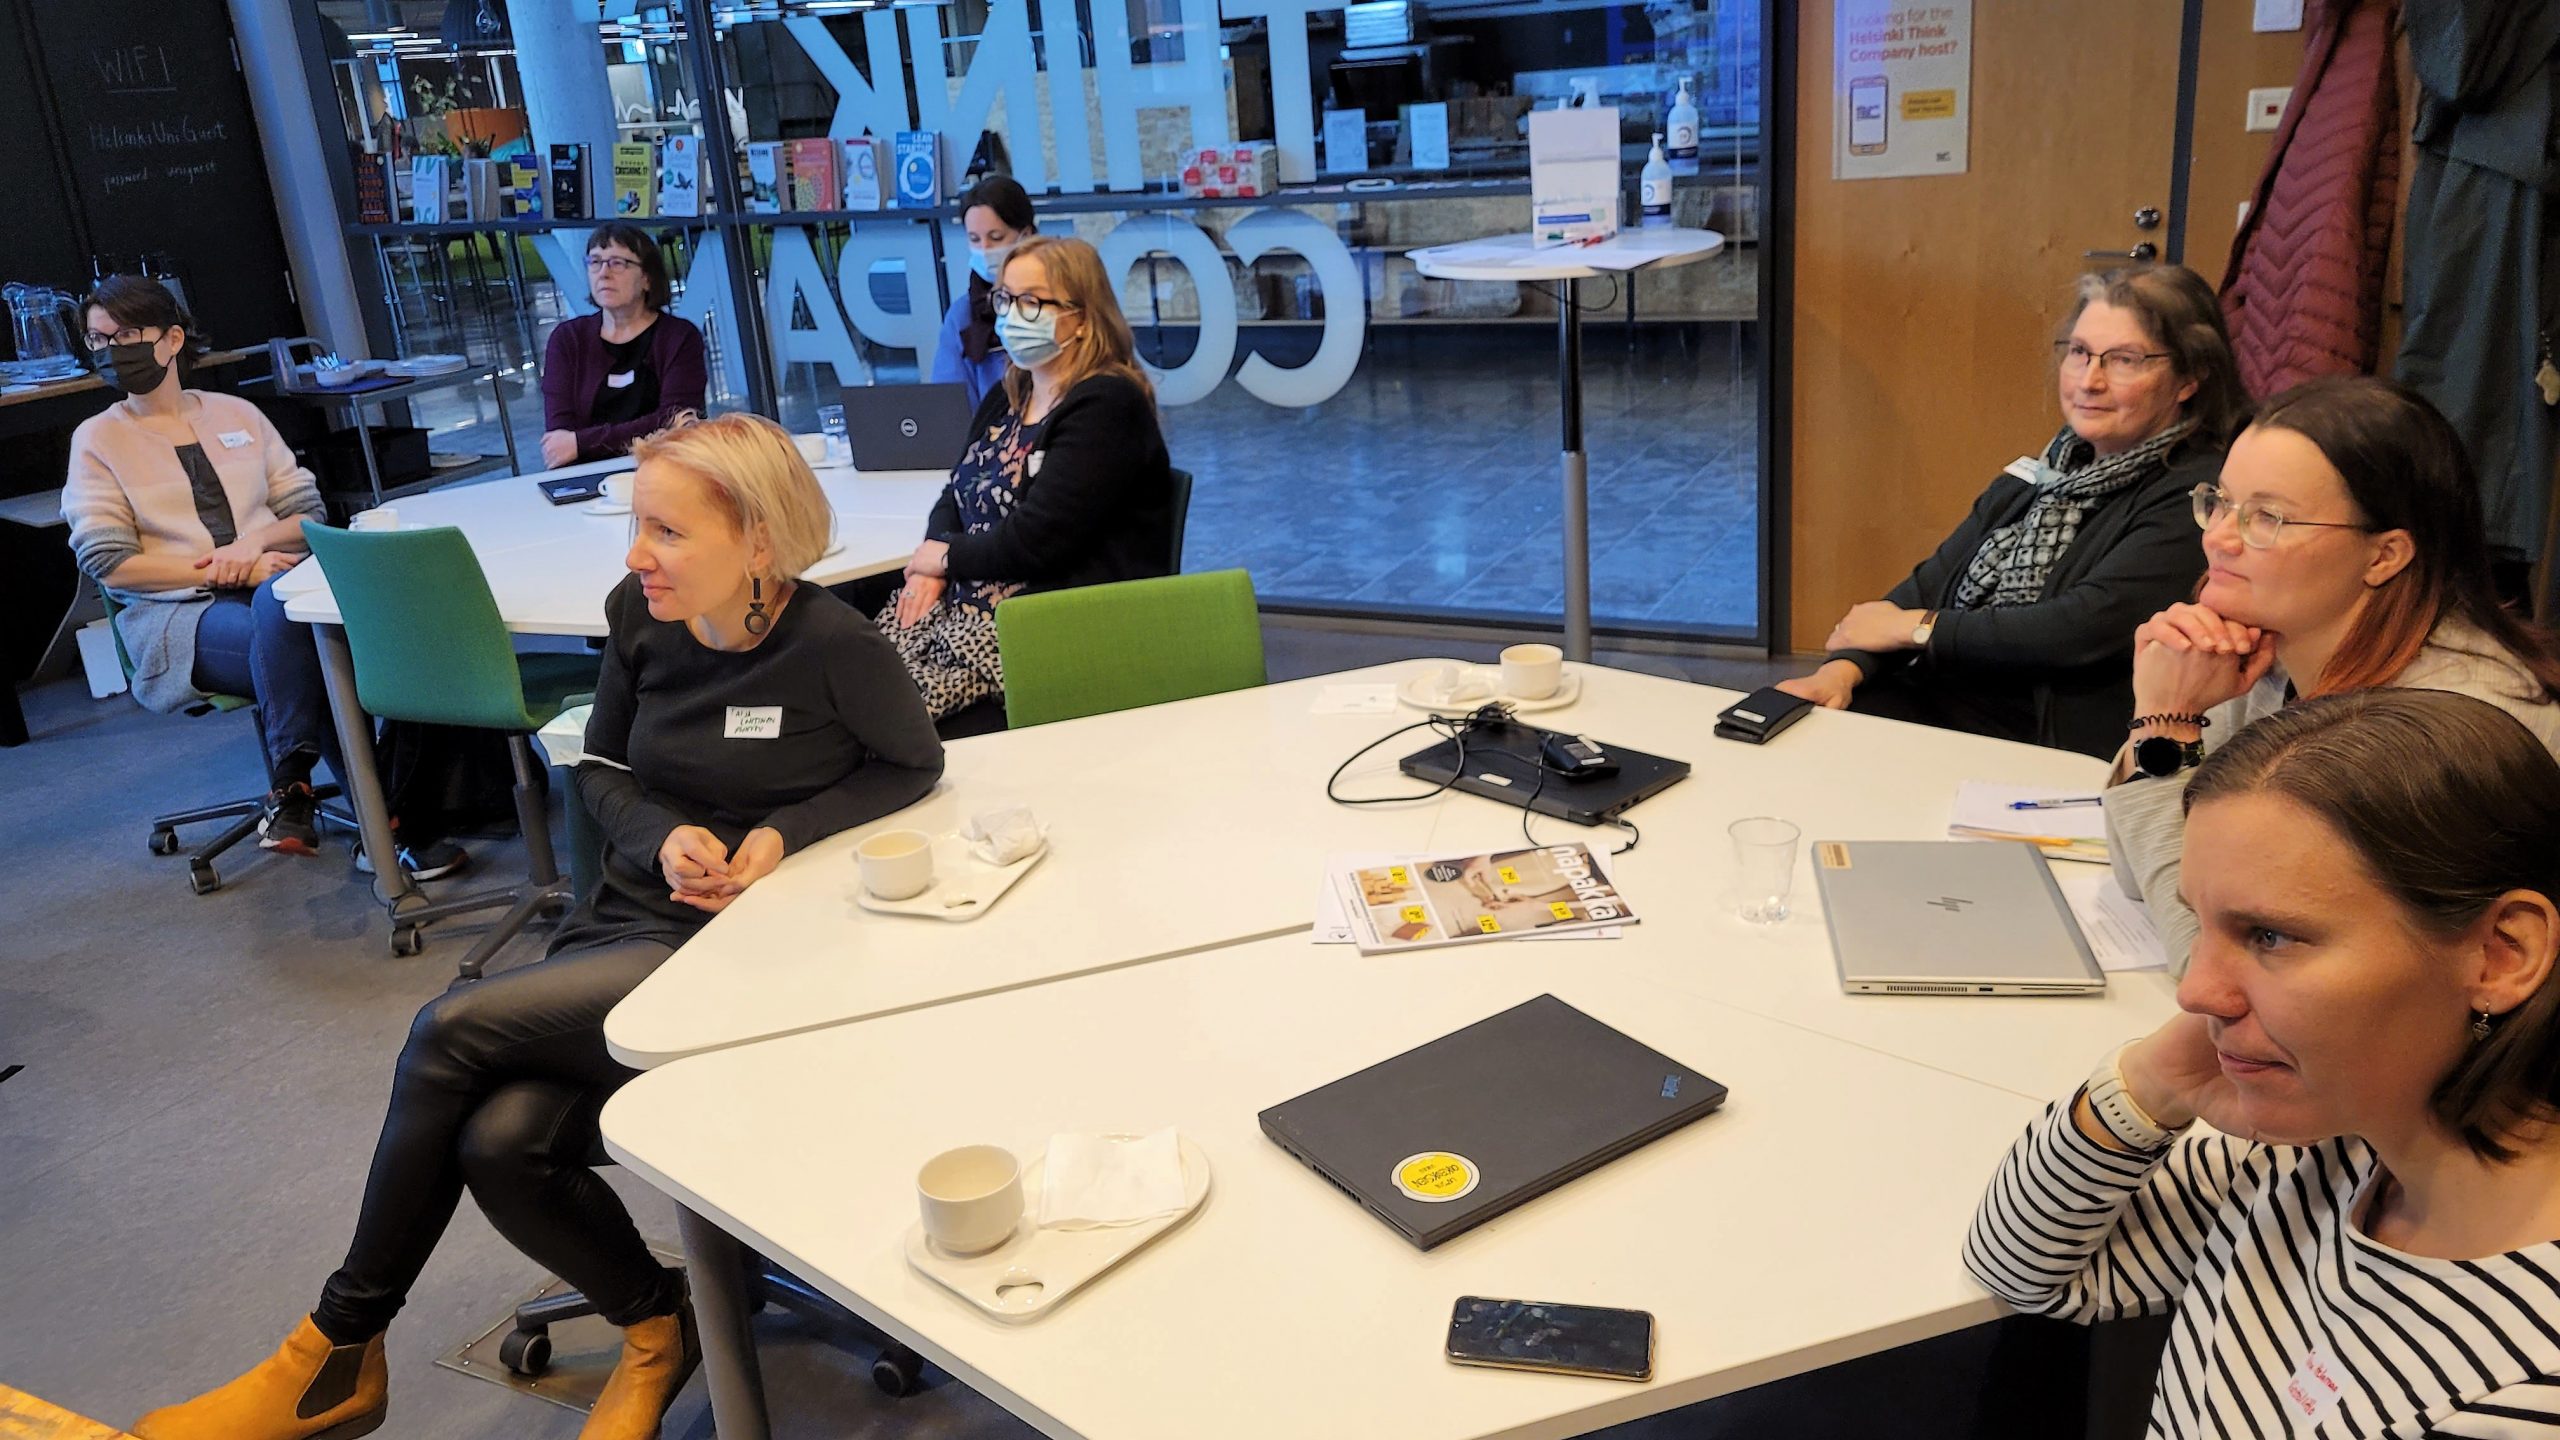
column 703, row 873
column 2187, row 659
column 241, row 565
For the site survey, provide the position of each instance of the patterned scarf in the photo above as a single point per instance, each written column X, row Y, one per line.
column 2011, row 565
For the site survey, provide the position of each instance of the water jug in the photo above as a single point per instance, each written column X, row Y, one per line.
column 36, row 328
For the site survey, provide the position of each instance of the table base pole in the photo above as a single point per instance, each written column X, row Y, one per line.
column 716, row 1269
column 363, row 779
column 1577, row 555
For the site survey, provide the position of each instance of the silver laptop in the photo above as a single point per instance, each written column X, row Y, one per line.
column 1950, row 917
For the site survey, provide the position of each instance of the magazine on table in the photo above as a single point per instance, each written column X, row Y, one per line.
column 1427, row 900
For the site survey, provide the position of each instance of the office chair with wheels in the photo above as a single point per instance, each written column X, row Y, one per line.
column 429, row 646
column 244, row 813
column 1069, row 653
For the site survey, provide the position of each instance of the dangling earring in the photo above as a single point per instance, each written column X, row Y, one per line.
column 758, row 622
column 2479, row 1027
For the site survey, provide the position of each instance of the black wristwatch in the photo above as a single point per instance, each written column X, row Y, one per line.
column 2161, row 756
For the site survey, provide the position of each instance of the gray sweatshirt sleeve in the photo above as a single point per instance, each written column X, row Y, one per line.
column 2146, row 830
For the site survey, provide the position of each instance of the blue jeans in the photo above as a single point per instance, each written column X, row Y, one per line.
column 246, row 646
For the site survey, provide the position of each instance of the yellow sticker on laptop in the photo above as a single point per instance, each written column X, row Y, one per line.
column 1435, row 1176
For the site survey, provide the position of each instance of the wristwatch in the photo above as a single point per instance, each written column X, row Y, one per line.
column 2160, row 756
column 1920, row 632
column 2118, row 1111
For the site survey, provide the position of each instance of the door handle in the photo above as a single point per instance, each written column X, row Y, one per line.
column 2144, row 251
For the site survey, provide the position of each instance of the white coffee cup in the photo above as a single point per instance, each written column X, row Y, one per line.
column 383, row 518
column 1532, row 672
column 896, row 864
column 617, row 489
column 813, row 448
column 971, row 1198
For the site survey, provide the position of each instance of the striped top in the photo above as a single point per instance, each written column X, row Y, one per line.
column 2290, row 1322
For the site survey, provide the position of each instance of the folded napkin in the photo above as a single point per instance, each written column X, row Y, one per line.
column 1094, row 1181
column 1452, row 685
column 1001, row 837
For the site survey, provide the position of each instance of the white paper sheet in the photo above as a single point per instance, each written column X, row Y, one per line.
column 1984, row 805
column 2118, row 929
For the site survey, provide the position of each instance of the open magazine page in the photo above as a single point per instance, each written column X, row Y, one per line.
column 1438, row 900
column 1335, row 908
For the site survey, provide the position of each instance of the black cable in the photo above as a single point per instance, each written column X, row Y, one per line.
column 1456, row 727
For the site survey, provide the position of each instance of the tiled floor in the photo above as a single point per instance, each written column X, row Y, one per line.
column 1430, row 481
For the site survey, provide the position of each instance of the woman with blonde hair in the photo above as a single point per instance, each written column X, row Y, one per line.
column 1065, row 480
column 741, row 716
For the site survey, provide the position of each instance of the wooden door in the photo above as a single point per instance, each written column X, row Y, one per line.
column 1924, row 308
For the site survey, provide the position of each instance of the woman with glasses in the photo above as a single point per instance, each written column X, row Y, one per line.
column 996, row 214
column 626, row 370
column 2344, row 550
column 2016, row 627
column 1065, row 480
column 185, row 505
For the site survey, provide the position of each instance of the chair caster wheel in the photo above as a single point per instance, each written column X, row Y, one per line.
column 202, row 878
column 408, row 940
column 898, row 1372
column 164, row 841
column 526, row 1352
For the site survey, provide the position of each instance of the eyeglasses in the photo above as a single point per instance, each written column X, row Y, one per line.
column 2259, row 526
column 129, row 335
column 611, row 264
column 1005, row 302
column 2120, row 365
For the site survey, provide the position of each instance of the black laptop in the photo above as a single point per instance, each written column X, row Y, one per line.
column 1502, row 764
column 1444, row 1137
column 906, row 427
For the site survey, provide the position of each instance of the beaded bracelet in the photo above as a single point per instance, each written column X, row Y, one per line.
column 2198, row 721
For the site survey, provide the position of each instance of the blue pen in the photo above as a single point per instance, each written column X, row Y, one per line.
column 2064, row 803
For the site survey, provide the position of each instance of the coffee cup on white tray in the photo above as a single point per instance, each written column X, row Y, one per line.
column 1532, row 672
column 896, row 864
column 381, row 517
column 971, row 1198
column 617, row 490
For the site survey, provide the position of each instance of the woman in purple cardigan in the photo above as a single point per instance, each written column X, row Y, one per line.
column 625, row 371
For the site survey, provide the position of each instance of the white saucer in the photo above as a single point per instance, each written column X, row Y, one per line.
column 1026, row 1276
column 964, row 887
column 602, row 506
column 1415, row 690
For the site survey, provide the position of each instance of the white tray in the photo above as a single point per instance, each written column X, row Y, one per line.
column 964, row 887
column 1026, row 1276
column 1415, row 690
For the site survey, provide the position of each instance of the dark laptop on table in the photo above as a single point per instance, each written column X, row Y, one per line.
column 1448, row 1135
column 906, row 427
column 1502, row 763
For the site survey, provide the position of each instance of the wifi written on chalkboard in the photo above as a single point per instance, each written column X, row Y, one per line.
column 139, row 73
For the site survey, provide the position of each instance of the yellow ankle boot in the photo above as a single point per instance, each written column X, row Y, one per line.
column 308, row 1390
column 657, row 1356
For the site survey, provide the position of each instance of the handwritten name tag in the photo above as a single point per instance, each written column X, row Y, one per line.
column 2024, row 467
column 621, row 381
column 753, row 722
column 233, row 439
column 2313, row 1392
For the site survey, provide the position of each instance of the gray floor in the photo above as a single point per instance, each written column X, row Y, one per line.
column 181, row 1157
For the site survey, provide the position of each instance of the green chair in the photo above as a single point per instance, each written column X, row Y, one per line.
column 243, row 813
column 429, row 646
column 1101, row 648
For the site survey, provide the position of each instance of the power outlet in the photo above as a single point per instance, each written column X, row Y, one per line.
column 2266, row 106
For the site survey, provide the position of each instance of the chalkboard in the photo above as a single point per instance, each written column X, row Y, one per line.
column 39, row 238
column 159, row 152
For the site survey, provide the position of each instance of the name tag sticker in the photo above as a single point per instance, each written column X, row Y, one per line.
column 1031, row 463
column 2024, row 467
column 233, row 439
column 2313, row 1392
column 753, row 722
column 621, row 381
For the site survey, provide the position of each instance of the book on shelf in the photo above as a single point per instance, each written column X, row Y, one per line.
column 373, row 189
column 635, row 180
column 813, row 176
column 1428, row 900
column 428, row 187
column 480, row 189
column 680, row 176
column 569, row 171
column 866, row 163
column 520, row 187
column 764, row 177
column 919, row 172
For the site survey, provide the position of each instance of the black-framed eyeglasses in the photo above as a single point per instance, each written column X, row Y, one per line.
column 129, row 335
column 2120, row 365
column 611, row 264
column 2259, row 525
column 1005, row 302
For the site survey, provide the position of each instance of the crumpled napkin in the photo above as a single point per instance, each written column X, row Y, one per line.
column 1453, row 685
column 1001, row 837
column 1091, row 1182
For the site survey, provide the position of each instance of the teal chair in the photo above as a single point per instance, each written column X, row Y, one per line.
column 243, row 813
column 429, row 647
column 1100, row 648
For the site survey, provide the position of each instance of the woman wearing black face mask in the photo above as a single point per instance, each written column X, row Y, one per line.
column 186, row 505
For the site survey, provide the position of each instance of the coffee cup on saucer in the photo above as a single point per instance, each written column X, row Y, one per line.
column 379, row 518
column 1532, row 672
column 971, row 1198
column 617, row 490
column 896, row 864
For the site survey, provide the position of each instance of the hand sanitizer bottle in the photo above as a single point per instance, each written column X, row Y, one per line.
column 1684, row 132
column 1653, row 187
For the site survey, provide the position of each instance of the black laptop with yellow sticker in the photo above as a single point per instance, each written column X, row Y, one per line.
column 1450, row 1134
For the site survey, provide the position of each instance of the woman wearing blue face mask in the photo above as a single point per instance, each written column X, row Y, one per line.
column 1065, row 480
column 997, row 215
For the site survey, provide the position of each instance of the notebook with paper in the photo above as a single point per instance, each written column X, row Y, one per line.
column 1944, row 917
column 1989, row 810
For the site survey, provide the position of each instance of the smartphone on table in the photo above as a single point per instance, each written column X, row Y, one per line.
column 1554, row 1339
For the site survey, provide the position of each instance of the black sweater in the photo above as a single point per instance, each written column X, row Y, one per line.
column 2068, row 656
column 853, row 743
column 1096, row 503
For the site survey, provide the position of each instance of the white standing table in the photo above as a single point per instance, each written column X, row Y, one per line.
column 1516, row 257
column 549, row 568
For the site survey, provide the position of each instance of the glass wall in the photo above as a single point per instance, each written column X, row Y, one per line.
column 1364, row 437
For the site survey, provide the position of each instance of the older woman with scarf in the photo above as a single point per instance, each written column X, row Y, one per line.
column 2020, row 625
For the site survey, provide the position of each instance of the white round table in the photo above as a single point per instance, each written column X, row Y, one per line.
column 1515, row 257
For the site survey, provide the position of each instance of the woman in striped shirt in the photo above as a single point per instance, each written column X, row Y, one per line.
column 2366, row 1241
